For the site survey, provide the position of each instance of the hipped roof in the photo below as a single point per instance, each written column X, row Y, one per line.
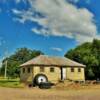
column 52, row 61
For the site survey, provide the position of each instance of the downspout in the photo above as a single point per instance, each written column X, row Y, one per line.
column 61, row 73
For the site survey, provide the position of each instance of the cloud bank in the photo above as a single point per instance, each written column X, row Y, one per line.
column 59, row 18
column 56, row 49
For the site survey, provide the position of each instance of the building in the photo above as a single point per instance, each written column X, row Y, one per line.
column 44, row 68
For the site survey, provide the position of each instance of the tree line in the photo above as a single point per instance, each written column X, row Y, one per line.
column 15, row 60
column 87, row 54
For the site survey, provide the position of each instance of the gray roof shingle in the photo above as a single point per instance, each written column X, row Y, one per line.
column 54, row 61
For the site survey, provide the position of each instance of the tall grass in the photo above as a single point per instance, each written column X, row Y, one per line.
column 8, row 82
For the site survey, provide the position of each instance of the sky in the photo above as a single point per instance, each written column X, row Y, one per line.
column 52, row 26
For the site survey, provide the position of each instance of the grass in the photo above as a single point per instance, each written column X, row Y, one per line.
column 12, row 83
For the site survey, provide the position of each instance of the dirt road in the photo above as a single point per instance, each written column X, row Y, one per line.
column 52, row 94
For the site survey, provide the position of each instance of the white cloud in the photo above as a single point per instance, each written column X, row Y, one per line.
column 2, row 41
column 88, row 1
column 40, row 31
column 56, row 49
column 76, row 1
column 60, row 19
column 16, row 11
column 18, row 1
column 97, row 36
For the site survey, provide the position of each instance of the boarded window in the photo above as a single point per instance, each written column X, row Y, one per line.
column 28, row 70
column 79, row 69
column 72, row 69
column 52, row 69
column 42, row 69
column 23, row 70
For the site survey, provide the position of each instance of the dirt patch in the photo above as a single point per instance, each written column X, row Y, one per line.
column 64, row 93
column 74, row 86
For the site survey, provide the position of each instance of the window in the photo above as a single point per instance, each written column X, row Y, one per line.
column 28, row 70
column 52, row 69
column 72, row 69
column 23, row 70
column 79, row 69
column 42, row 69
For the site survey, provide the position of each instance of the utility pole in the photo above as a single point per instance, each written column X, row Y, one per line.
column 6, row 63
column 5, row 69
column 5, row 57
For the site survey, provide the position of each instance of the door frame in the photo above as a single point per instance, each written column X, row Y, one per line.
column 63, row 76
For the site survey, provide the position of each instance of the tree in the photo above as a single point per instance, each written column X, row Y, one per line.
column 20, row 56
column 88, row 54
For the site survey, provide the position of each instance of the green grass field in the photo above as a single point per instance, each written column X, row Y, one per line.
column 13, row 83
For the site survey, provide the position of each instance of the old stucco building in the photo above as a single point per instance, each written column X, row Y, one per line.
column 53, row 68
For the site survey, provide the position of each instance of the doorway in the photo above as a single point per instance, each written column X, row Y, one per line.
column 63, row 73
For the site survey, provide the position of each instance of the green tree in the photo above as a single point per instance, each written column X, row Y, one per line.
column 88, row 54
column 20, row 56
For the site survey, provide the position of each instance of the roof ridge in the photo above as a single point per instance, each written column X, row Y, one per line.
column 52, row 60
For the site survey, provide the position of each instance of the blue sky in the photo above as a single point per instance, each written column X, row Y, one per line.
column 52, row 26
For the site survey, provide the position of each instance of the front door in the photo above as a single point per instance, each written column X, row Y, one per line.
column 63, row 73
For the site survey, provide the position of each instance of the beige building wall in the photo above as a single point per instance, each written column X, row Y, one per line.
column 75, row 75
column 52, row 76
column 26, row 77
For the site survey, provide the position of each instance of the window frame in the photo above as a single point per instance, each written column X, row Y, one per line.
column 28, row 70
column 79, row 70
column 52, row 69
column 42, row 69
column 23, row 70
column 72, row 70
